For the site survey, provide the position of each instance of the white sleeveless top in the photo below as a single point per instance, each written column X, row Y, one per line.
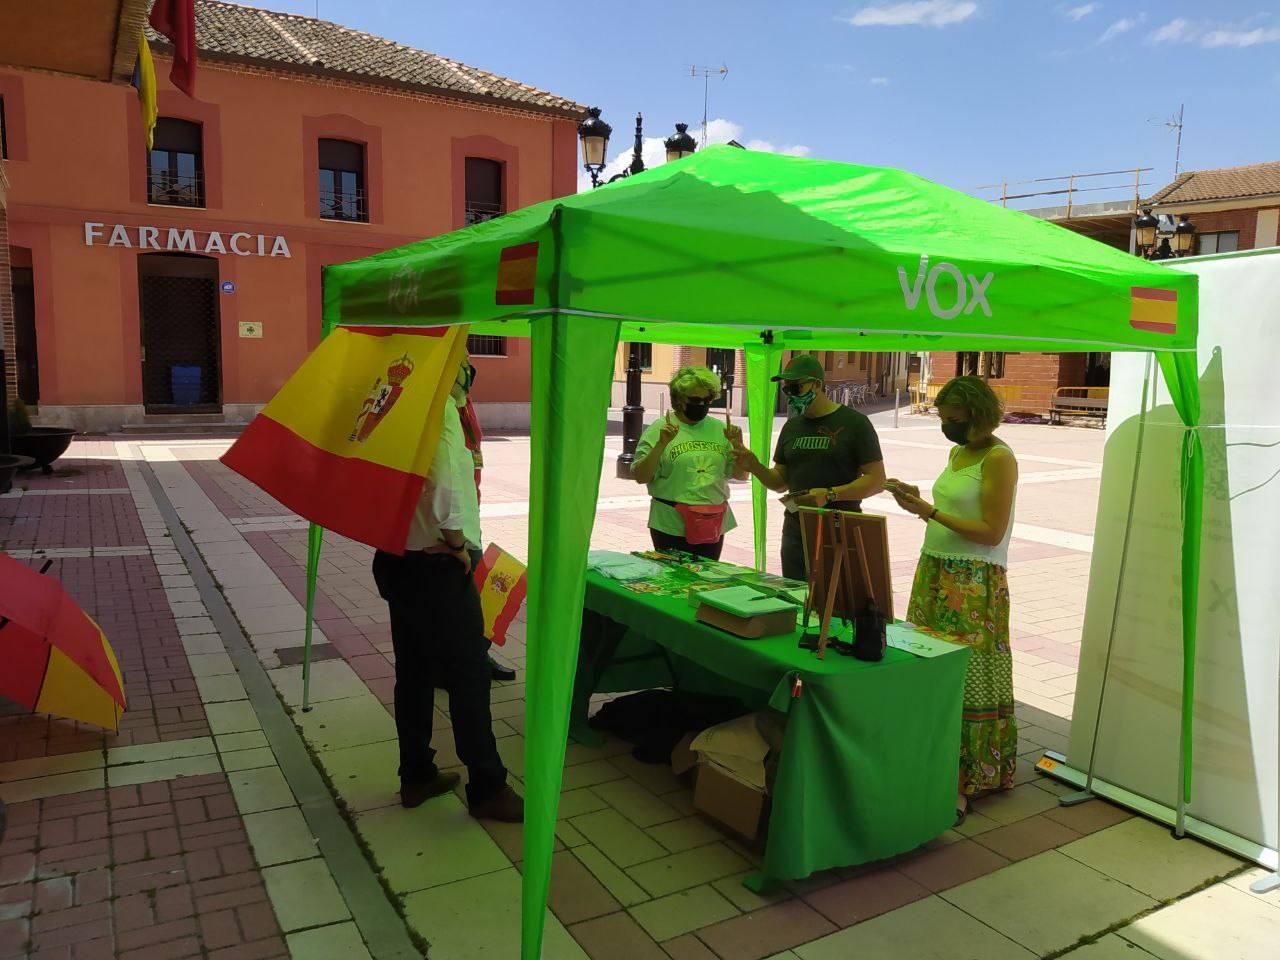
column 959, row 493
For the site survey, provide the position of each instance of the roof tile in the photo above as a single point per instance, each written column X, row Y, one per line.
column 1225, row 183
column 293, row 41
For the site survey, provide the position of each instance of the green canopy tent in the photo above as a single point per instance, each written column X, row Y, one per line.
column 766, row 253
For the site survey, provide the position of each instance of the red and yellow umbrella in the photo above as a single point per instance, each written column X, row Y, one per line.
column 53, row 657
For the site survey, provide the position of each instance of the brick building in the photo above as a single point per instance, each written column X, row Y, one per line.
column 1233, row 208
column 184, row 281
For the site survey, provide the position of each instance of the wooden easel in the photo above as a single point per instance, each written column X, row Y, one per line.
column 839, row 580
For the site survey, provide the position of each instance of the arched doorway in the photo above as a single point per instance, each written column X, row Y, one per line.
column 181, row 344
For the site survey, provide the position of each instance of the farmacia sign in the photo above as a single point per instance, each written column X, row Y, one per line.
column 185, row 240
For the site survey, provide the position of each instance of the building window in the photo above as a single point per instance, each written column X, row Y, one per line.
column 4, row 137
column 487, row 346
column 1225, row 242
column 342, row 193
column 175, row 164
column 483, row 190
column 967, row 364
column 995, row 365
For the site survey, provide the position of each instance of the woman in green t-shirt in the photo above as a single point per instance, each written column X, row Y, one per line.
column 686, row 460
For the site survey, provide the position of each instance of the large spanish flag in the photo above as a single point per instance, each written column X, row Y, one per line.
column 348, row 440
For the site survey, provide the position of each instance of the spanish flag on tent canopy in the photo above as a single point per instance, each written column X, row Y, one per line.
column 53, row 657
column 348, row 440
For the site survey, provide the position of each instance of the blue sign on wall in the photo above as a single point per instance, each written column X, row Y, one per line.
column 228, row 286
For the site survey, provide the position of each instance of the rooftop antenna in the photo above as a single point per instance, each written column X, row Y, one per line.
column 706, row 73
column 1174, row 123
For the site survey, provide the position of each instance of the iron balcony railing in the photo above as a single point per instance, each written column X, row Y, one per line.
column 344, row 205
column 174, row 190
column 479, row 212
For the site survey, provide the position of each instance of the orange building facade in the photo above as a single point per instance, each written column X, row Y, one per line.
column 185, row 281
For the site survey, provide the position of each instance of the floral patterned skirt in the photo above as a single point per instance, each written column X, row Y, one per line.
column 967, row 601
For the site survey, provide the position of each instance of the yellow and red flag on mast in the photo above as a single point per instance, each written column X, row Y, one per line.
column 347, row 441
column 500, row 578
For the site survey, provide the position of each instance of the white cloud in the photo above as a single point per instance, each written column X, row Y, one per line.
column 721, row 131
column 768, row 146
column 1121, row 27
column 878, row 81
column 1241, row 38
column 654, row 152
column 1174, row 31
column 1082, row 11
column 916, row 13
column 1181, row 30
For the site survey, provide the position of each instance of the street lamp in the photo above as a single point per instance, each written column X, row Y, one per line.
column 1144, row 228
column 1156, row 244
column 594, row 134
column 680, row 145
column 1184, row 237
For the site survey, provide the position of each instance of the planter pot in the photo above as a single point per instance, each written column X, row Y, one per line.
column 44, row 445
column 9, row 465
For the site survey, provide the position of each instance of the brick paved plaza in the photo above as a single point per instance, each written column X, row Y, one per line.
column 222, row 822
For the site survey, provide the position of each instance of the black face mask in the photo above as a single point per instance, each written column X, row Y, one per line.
column 955, row 432
column 469, row 378
column 696, row 410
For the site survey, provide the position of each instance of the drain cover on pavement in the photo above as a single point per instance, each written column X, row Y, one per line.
column 292, row 656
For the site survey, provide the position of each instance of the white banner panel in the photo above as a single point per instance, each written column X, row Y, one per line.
column 1236, row 739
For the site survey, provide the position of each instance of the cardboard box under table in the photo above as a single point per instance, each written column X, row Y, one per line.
column 871, row 752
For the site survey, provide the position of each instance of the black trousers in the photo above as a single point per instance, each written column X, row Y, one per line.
column 793, row 559
column 669, row 541
column 437, row 630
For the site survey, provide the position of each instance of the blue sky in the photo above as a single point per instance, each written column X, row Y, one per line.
column 966, row 92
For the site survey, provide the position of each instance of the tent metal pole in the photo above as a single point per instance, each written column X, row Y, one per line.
column 315, row 538
column 1272, row 881
column 1080, row 796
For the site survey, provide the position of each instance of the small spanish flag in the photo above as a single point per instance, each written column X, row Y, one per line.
column 1153, row 310
column 501, row 582
column 349, row 438
column 517, row 270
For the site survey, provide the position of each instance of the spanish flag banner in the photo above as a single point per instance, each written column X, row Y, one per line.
column 1153, row 310
column 501, row 582
column 517, row 271
column 348, row 440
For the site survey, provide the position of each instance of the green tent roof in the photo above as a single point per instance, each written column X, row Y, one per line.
column 719, row 246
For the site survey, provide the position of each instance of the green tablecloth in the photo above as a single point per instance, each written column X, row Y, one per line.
column 870, row 758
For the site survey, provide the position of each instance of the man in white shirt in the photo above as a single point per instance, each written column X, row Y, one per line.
column 437, row 629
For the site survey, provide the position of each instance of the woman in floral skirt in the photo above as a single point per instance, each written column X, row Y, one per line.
column 960, row 589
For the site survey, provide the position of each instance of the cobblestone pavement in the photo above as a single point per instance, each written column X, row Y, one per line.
column 202, row 828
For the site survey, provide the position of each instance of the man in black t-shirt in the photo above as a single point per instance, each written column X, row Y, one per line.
column 828, row 456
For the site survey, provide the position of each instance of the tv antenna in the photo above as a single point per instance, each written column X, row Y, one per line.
column 1174, row 123
column 706, row 73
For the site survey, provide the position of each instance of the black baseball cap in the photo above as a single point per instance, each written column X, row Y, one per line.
column 803, row 366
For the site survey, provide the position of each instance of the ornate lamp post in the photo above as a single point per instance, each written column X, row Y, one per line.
column 1155, row 244
column 594, row 135
column 1145, row 227
column 1184, row 237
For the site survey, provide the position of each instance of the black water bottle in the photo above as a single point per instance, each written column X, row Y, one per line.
column 869, row 632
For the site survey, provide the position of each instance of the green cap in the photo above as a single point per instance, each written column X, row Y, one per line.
column 803, row 366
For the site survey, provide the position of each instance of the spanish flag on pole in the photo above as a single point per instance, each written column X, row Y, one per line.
column 348, row 440
column 501, row 582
